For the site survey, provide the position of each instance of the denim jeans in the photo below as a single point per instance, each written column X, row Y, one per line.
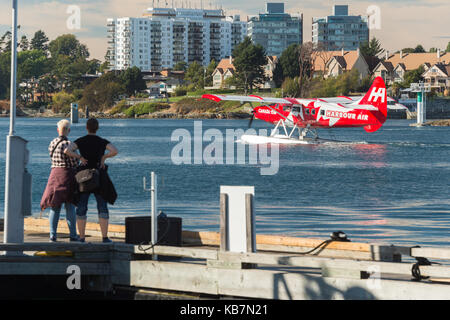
column 82, row 207
column 70, row 217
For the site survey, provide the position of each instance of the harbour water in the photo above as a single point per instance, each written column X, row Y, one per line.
column 392, row 186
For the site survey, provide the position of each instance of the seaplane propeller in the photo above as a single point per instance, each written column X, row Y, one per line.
column 251, row 119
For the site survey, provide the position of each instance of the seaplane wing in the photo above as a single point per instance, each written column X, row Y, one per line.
column 392, row 104
column 250, row 98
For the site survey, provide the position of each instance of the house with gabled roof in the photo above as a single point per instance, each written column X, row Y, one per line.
column 225, row 69
column 394, row 67
column 438, row 76
column 335, row 63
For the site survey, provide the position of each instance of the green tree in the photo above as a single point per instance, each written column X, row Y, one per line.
column 68, row 45
column 195, row 74
column 448, row 47
column 39, row 41
column 336, row 86
column 371, row 48
column 290, row 87
column 180, row 66
column 69, row 61
column 102, row 92
column 132, row 81
column 289, row 61
column 5, row 69
column 31, row 65
column 5, row 42
column 61, row 102
column 278, row 76
column 24, row 44
column 104, row 67
column 408, row 50
column 413, row 76
column 419, row 49
column 208, row 73
column 249, row 61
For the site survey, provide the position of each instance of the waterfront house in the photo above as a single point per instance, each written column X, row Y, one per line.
column 438, row 76
column 334, row 63
column 393, row 67
column 225, row 70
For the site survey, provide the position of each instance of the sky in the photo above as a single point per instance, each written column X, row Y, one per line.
column 401, row 23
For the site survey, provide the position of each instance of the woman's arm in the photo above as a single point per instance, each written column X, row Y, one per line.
column 70, row 151
column 112, row 152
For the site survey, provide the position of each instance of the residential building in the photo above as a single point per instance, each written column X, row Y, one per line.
column 238, row 30
column 393, row 67
column 275, row 30
column 225, row 69
column 165, row 36
column 438, row 76
column 340, row 30
column 334, row 63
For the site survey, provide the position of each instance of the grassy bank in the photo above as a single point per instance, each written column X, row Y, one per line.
column 181, row 106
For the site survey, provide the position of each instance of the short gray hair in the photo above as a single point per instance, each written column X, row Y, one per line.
column 64, row 126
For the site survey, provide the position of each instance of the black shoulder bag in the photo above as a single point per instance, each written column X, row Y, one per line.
column 88, row 180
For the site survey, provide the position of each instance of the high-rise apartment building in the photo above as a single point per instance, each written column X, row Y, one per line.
column 165, row 36
column 275, row 30
column 340, row 30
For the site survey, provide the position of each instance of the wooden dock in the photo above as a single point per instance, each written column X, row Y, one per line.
column 199, row 269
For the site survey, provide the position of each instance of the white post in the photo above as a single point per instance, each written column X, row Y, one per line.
column 16, row 158
column 12, row 115
column 154, row 219
column 424, row 105
column 237, row 220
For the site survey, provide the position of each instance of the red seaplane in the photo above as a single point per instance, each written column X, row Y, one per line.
column 306, row 115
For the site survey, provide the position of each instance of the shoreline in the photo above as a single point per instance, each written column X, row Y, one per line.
column 156, row 115
column 194, row 115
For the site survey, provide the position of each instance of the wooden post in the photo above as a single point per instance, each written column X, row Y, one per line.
column 251, row 238
column 241, row 219
column 223, row 222
column 249, row 217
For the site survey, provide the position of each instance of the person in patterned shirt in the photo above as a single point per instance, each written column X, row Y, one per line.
column 61, row 183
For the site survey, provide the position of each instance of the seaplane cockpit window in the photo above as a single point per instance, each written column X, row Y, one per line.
column 287, row 108
column 313, row 111
column 296, row 109
column 322, row 112
column 306, row 110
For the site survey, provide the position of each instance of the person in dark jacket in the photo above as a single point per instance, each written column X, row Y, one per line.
column 93, row 149
column 61, row 183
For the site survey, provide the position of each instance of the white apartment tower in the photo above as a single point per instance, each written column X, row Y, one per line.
column 165, row 36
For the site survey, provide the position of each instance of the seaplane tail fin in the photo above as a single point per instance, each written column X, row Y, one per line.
column 376, row 96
